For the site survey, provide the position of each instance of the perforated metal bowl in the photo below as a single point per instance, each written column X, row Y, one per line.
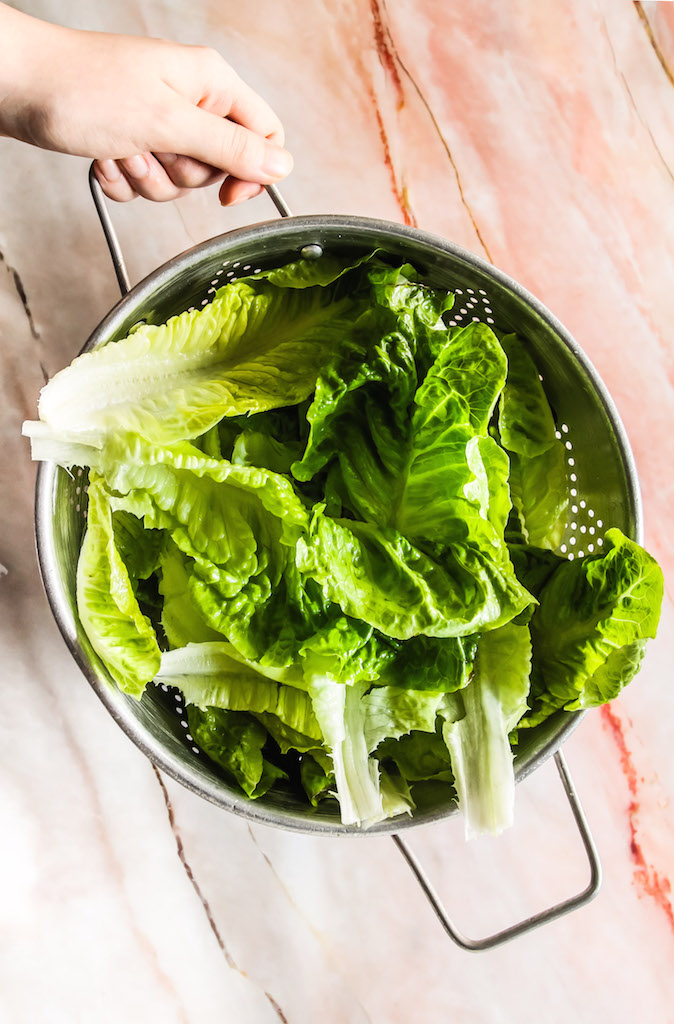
column 602, row 481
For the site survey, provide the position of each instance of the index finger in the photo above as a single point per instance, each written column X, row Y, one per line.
column 250, row 110
column 213, row 84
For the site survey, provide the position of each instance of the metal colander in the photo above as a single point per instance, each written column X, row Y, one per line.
column 603, row 490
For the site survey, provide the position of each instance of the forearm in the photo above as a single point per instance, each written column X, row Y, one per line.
column 27, row 48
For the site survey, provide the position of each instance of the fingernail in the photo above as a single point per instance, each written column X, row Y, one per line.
column 167, row 158
column 250, row 193
column 109, row 170
column 136, row 166
column 277, row 162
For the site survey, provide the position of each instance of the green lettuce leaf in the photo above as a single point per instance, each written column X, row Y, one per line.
column 119, row 633
column 235, row 528
column 288, row 738
column 391, row 711
column 307, row 273
column 179, row 487
column 236, row 523
column 416, row 462
column 139, row 549
column 589, row 632
column 279, row 618
column 354, row 723
column 341, row 716
column 431, row 663
column 534, row 566
column 396, row 795
column 214, row 675
column 235, row 741
column 181, row 618
column 538, row 484
column 419, row 757
column 254, row 448
column 478, row 720
column 377, row 575
column 255, row 346
column 418, row 310
column 317, row 782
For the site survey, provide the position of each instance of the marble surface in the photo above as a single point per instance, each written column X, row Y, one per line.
column 542, row 136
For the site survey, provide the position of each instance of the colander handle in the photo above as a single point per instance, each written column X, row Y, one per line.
column 112, row 240
column 545, row 916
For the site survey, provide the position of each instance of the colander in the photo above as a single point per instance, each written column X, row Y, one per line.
column 602, row 482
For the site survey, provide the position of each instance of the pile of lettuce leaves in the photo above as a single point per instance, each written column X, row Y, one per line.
column 330, row 520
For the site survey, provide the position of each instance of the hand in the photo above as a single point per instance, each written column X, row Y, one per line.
column 159, row 118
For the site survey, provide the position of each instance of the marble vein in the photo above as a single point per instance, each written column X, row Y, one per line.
column 298, row 910
column 23, row 298
column 387, row 58
column 392, row 57
column 649, row 879
column 180, row 849
column 643, row 17
column 632, row 102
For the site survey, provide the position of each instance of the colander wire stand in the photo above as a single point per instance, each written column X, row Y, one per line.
column 313, row 250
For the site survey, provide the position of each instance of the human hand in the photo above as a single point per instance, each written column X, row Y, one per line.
column 158, row 118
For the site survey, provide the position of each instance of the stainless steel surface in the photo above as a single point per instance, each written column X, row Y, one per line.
column 311, row 251
column 603, row 483
column 278, row 200
column 536, row 920
column 110, row 234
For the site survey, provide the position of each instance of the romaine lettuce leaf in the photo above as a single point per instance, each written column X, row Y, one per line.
column 419, row 757
column 214, row 675
column 234, row 740
column 354, row 722
column 396, row 795
column 181, row 619
column 253, row 448
column 108, row 609
column 256, row 346
column 432, row 663
column 288, row 738
column 539, row 493
column 419, row 310
column 235, row 523
column 377, row 575
column 306, row 273
column 279, row 617
column 589, row 632
column 139, row 549
column 418, row 464
column 478, row 720
column 538, row 483
column 391, row 711
column 317, row 781
column 341, row 716
column 534, row 566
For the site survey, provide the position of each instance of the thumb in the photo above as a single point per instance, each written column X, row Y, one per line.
column 228, row 146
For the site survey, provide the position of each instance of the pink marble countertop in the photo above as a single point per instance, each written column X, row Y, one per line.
column 539, row 135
